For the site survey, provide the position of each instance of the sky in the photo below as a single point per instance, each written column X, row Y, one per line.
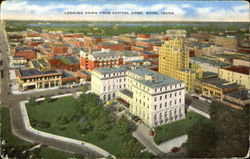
column 228, row 11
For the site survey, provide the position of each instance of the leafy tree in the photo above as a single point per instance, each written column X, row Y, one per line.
column 130, row 149
column 225, row 136
column 201, row 138
column 123, row 126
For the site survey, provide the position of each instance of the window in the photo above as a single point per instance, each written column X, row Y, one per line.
column 180, row 100
column 155, row 107
column 155, row 99
column 160, row 106
column 166, row 104
column 170, row 95
column 120, row 86
column 175, row 94
column 124, row 85
column 120, row 80
column 170, row 87
column 170, row 103
column 180, row 93
column 124, row 79
column 104, row 88
column 165, row 96
column 155, row 90
column 174, row 101
column 160, row 97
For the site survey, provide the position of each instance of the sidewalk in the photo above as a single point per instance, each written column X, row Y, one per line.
column 142, row 134
column 57, row 137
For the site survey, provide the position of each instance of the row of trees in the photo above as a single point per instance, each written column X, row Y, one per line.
column 226, row 135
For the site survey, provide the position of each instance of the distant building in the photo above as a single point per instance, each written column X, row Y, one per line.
column 31, row 78
column 25, row 52
column 155, row 98
column 239, row 99
column 70, row 63
column 242, row 62
column 229, row 42
column 201, row 36
column 99, row 59
column 176, row 33
column 41, row 64
column 216, row 88
column 237, row 74
column 110, row 46
column 208, row 64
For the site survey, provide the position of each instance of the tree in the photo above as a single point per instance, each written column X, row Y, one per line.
column 201, row 138
column 225, row 136
column 130, row 149
column 123, row 126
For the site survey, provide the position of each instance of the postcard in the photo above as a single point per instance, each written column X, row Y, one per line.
column 124, row 79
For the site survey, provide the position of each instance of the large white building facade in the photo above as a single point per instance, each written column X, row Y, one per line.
column 155, row 98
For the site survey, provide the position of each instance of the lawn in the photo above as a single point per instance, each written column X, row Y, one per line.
column 6, row 133
column 177, row 128
column 50, row 111
column 10, row 139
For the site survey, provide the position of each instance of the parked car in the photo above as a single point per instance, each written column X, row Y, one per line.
column 137, row 119
column 151, row 133
column 121, row 109
column 175, row 149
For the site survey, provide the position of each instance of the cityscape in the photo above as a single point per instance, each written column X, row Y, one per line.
column 124, row 88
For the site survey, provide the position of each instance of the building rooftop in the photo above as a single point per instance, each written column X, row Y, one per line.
column 157, row 79
column 128, row 53
column 207, row 74
column 106, row 70
column 239, row 69
column 100, row 54
column 27, row 72
column 220, row 83
column 68, row 60
column 187, row 70
column 85, row 72
column 67, row 74
column 127, row 92
column 208, row 61
column 241, row 94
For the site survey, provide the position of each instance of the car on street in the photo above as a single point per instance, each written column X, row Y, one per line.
column 151, row 133
column 121, row 109
column 175, row 149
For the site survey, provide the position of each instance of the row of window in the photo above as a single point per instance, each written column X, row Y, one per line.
column 166, row 96
column 167, row 87
column 114, row 74
column 167, row 104
column 114, row 87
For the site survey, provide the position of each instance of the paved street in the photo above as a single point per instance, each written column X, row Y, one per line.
column 12, row 101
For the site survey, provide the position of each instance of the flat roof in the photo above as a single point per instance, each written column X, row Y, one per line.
column 127, row 92
column 209, row 61
column 107, row 70
column 239, row 69
column 158, row 79
column 241, row 94
column 220, row 83
column 29, row 72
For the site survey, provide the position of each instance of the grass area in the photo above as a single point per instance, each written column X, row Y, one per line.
column 177, row 128
column 6, row 133
column 48, row 153
column 49, row 111
column 10, row 139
